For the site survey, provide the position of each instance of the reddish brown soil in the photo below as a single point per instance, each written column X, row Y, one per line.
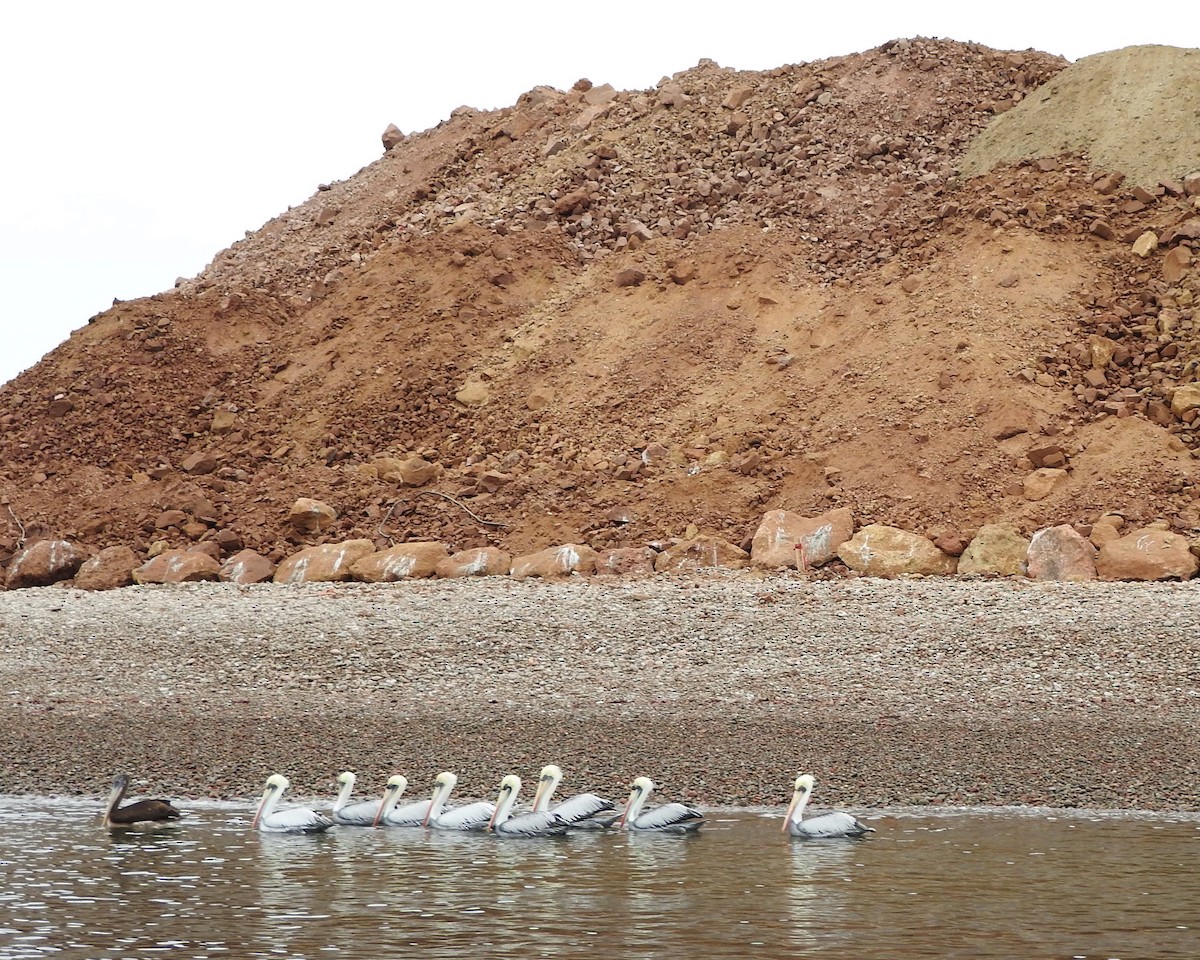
column 775, row 285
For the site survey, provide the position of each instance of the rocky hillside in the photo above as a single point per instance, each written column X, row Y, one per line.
column 607, row 317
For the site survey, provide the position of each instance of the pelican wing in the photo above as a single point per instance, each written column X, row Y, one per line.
column 357, row 814
column 296, row 820
column 410, row 815
column 836, row 824
column 470, row 816
column 670, row 817
column 581, row 807
column 541, row 824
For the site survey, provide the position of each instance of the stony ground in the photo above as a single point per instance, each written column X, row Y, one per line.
column 722, row 689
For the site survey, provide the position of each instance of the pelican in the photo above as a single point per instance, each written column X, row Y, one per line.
column 412, row 814
column 536, row 823
column 140, row 811
column 366, row 813
column 291, row 820
column 470, row 816
column 836, row 824
column 668, row 818
column 579, row 810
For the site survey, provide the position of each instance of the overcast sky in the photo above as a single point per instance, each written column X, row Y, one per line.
column 137, row 139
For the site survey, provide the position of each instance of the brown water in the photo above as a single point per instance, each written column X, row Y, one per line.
column 1001, row 884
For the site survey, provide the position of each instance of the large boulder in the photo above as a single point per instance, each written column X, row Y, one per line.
column 881, row 551
column 247, row 566
column 555, row 562
column 477, row 562
column 1060, row 553
column 626, row 561
column 311, row 516
column 778, row 537
column 998, row 549
column 700, row 552
column 178, row 566
column 405, row 561
column 43, row 563
column 1148, row 554
column 111, row 568
column 329, row 562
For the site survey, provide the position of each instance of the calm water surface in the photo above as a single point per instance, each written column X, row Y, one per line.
column 1003, row 884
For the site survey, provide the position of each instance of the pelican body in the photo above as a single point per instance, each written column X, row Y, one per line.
column 139, row 811
column 580, row 811
column 362, row 814
column 667, row 818
column 835, row 824
column 290, row 820
column 504, row 823
column 470, row 816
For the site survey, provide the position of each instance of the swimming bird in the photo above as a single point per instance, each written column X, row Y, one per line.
column 505, row 823
column 470, row 816
column 579, row 811
column 412, row 814
column 140, row 811
column 291, row 820
column 668, row 818
column 835, row 824
column 362, row 814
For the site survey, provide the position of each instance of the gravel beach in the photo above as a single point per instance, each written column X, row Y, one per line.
column 721, row 688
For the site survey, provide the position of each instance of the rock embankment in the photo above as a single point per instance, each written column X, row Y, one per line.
column 722, row 688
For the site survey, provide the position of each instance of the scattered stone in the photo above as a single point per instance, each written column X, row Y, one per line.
column 1146, row 555
column 199, row 464
column 878, row 550
column 109, row 569
column 998, row 549
column 1041, row 483
column 405, row 561
column 411, row 472
column 43, row 563
column 309, row 516
column 1060, row 553
column 328, row 562
column 392, row 135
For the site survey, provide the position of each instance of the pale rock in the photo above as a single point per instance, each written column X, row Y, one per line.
column 392, row 135
column 775, row 542
column 1041, row 483
column 1061, row 554
column 878, row 550
column 223, row 421
column 111, row 568
column 311, row 516
column 178, row 566
column 1146, row 244
column 473, row 393
column 998, row 549
column 1185, row 398
column 555, row 562
column 412, row 472
column 1147, row 554
column 43, row 563
column 199, row 464
column 247, row 566
column 477, row 562
column 405, row 561
column 701, row 551
column 626, row 561
column 328, row 562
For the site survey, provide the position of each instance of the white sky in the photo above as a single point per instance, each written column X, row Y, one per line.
column 138, row 139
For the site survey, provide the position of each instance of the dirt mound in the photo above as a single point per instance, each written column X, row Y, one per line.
column 608, row 317
column 1132, row 110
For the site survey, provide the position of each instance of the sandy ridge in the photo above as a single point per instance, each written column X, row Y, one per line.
column 893, row 693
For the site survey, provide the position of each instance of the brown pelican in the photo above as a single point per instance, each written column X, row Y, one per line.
column 836, row 824
column 579, row 810
column 668, row 818
column 533, row 824
column 140, row 811
column 470, row 816
column 293, row 819
column 362, row 814
column 412, row 814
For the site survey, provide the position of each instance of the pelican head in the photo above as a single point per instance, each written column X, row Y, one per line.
column 392, row 791
column 277, row 785
column 548, row 781
column 397, row 782
column 800, row 792
column 510, row 786
column 443, row 785
column 346, row 778
column 639, row 793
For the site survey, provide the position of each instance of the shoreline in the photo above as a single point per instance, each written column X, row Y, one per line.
column 914, row 693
